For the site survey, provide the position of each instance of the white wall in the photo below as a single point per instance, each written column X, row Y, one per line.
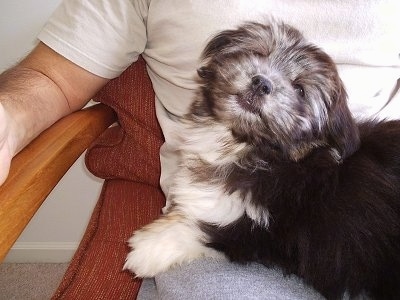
column 55, row 231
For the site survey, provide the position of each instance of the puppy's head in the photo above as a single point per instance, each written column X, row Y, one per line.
column 275, row 90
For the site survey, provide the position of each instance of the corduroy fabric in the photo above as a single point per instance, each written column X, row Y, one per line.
column 131, row 149
column 96, row 269
column 127, row 157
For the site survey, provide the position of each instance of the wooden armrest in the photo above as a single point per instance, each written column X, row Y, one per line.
column 37, row 169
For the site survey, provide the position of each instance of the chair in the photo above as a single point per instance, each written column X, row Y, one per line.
column 125, row 155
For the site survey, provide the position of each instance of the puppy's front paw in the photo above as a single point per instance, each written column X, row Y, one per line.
column 151, row 253
column 167, row 242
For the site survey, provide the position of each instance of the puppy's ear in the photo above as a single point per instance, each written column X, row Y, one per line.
column 218, row 43
column 343, row 130
column 205, row 73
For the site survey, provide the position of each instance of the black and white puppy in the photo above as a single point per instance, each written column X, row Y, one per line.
column 275, row 170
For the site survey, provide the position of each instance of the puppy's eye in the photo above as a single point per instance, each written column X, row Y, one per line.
column 299, row 90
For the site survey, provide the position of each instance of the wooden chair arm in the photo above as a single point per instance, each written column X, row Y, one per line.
column 37, row 169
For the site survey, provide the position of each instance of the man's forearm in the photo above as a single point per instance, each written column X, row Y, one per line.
column 32, row 102
column 40, row 90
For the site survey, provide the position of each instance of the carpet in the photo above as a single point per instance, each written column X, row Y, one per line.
column 29, row 281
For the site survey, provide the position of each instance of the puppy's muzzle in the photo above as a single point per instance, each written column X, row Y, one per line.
column 261, row 85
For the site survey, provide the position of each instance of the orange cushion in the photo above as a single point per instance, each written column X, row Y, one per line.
column 131, row 149
column 127, row 156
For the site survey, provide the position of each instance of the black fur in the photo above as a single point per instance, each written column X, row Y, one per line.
column 335, row 225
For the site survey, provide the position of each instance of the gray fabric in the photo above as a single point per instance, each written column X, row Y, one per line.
column 148, row 290
column 212, row 279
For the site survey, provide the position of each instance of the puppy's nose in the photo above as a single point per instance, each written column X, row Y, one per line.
column 261, row 85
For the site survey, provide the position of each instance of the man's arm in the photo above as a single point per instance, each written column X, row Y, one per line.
column 40, row 90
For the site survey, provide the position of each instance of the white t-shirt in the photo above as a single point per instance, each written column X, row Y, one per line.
column 106, row 36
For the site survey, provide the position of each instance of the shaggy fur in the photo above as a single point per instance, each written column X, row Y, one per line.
column 275, row 170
